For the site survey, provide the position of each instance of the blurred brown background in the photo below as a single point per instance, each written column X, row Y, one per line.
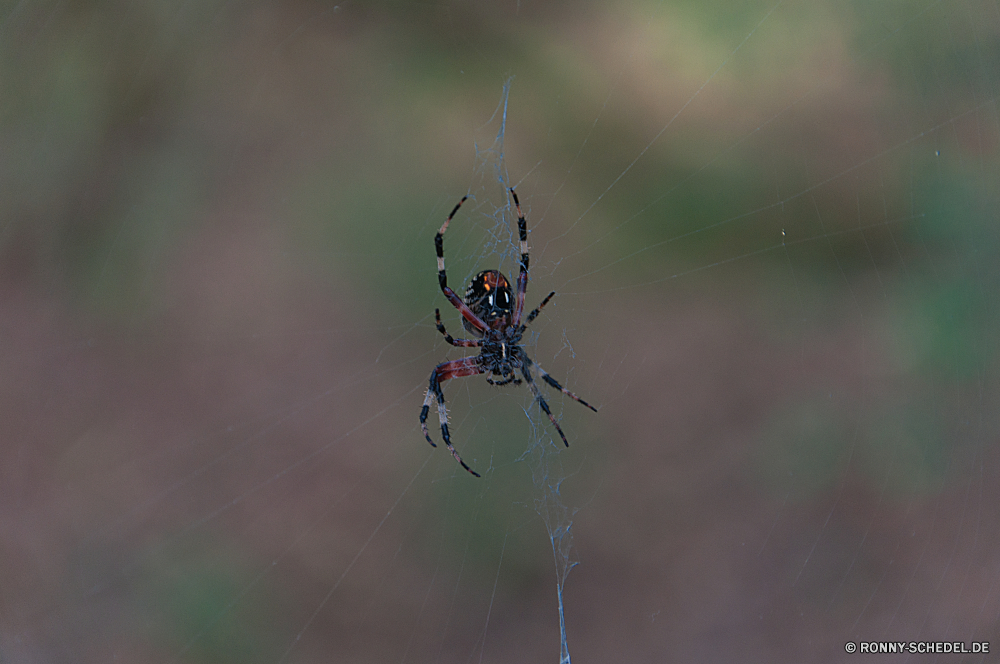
column 773, row 230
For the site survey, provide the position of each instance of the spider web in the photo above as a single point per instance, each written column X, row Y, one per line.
column 772, row 229
column 500, row 251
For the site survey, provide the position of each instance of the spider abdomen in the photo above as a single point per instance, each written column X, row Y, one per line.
column 489, row 297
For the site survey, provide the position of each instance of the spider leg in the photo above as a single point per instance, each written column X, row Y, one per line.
column 522, row 277
column 554, row 383
column 455, row 300
column 534, row 312
column 465, row 343
column 541, row 401
column 454, row 369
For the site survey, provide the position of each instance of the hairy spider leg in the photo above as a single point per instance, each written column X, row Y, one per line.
column 454, row 369
column 455, row 300
column 465, row 343
column 541, row 400
column 554, row 383
column 534, row 312
column 522, row 277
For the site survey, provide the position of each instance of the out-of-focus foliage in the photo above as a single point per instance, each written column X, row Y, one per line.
column 773, row 229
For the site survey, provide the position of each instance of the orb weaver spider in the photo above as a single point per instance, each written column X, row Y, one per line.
column 490, row 314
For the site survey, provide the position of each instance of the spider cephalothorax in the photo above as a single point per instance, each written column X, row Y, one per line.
column 491, row 315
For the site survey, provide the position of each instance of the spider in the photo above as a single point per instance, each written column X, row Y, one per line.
column 494, row 318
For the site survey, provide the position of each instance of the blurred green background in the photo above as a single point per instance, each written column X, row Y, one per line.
column 773, row 231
